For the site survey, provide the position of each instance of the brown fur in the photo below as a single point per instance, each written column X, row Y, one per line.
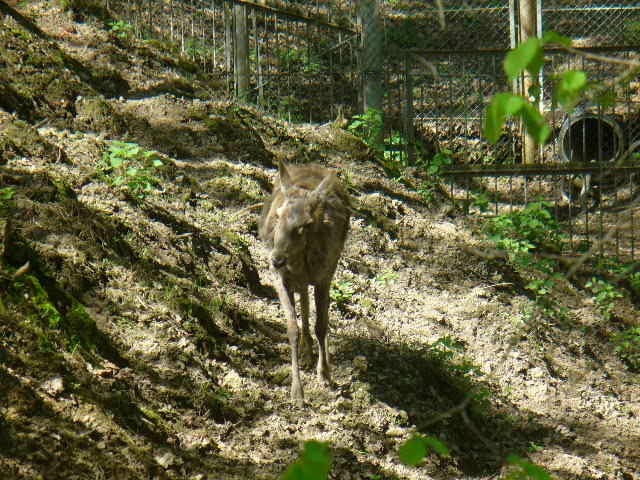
column 305, row 222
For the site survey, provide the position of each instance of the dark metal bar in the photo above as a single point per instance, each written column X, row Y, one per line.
column 571, row 220
column 567, row 168
column 495, row 194
column 616, row 215
column 467, row 197
column 631, row 221
column 587, row 232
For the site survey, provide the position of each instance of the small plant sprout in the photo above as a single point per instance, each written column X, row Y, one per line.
column 386, row 277
column 120, row 28
column 605, row 296
column 341, row 293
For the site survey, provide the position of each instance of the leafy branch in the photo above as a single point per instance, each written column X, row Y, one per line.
column 569, row 86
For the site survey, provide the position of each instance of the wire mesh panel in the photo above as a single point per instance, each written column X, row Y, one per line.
column 479, row 24
column 456, row 67
column 449, row 98
column 302, row 60
column 594, row 23
column 601, row 128
column 301, row 69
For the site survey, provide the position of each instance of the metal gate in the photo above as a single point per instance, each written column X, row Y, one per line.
column 596, row 204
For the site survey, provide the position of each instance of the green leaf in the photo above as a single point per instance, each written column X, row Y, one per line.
column 116, row 162
column 355, row 125
column 501, row 105
column 157, row 163
column 554, row 37
column 7, row 193
column 413, row 450
column 527, row 56
column 313, row 464
column 570, row 85
column 535, row 124
column 513, row 104
column 134, row 151
column 533, row 471
column 437, row 446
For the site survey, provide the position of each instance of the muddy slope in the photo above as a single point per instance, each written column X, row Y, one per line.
column 144, row 338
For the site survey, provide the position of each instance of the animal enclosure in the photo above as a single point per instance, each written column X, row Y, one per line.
column 299, row 62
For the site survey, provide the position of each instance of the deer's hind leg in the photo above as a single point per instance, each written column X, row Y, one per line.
column 306, row 342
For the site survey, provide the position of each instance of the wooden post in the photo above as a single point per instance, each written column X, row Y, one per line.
column 240, row 51
column 408, row 113
column 228, row 36
column 371, row 60
column 528, row 22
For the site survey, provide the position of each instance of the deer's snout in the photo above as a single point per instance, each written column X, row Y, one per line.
column 278, row 261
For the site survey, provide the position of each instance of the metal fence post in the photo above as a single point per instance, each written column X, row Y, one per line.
column 240, row 51
column 407, row 112
column 372, row 54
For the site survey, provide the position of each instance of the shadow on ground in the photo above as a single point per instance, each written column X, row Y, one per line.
column 443, row 399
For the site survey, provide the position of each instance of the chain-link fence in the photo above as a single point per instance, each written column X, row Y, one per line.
column 302, row 60
column 454, row 64
column 594, row 23
column 446, row 65
column 474, row 25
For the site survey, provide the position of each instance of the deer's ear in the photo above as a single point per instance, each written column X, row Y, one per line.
column 323, row 187
column 315, row 199
column 285, row 179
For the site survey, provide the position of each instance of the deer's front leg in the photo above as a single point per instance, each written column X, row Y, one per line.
column 306, row 343
column 322, row 326
column 285, row 293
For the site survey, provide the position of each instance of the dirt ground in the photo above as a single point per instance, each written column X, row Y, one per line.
column 146, row 339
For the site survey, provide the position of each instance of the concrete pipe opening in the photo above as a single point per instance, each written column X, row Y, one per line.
column 590, row 138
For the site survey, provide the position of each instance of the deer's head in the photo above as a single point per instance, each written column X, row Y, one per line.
column 298, row 216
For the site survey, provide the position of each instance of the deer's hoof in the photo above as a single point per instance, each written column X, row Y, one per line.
column 307, row 357
column 324, row 374
column 297, row 397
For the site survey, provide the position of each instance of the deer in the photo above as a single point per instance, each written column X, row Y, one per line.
column 305, row 224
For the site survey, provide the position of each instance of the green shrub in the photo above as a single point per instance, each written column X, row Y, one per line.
column 369, row 127
column 522, row 232
column 341, row 293
column 129, row 166
column 120, row 28
column 605, row 296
